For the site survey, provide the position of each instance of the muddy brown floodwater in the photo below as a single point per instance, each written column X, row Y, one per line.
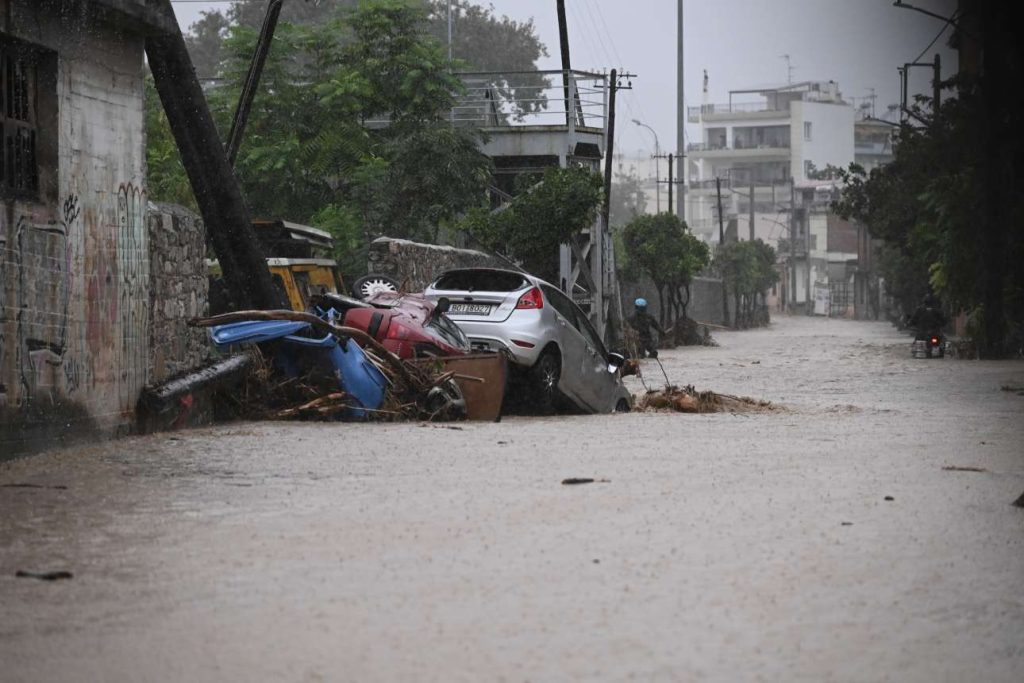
column 825, row 541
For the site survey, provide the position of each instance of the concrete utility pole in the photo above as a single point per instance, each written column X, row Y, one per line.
column 936, row 67
column 670, row 183
column 721, row 231
column 721, row 244
column 751, row 210
column 793, row 244
column 227, row 219
column 609, row 151
column 805, row 220
column 680, row 119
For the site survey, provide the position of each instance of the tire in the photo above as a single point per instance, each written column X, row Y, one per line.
column 544, row 377
column 374, row 283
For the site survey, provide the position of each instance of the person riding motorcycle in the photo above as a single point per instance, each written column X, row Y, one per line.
column 642, row 322
column 928, row 319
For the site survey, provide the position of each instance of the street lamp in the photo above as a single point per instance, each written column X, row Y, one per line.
column 657, row 156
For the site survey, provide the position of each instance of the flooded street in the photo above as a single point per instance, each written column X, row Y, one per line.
column 821, row 541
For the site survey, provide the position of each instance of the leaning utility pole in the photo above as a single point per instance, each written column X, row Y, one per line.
column 252, row 79
column 573, row 106
column 227, row 219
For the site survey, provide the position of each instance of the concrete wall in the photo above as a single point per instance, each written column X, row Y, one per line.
column 74, row 259
column 705, row 299
column 417, row 265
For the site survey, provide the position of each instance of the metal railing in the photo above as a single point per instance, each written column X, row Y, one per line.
column 737, row 145
column 532, row 98
column 695, row 113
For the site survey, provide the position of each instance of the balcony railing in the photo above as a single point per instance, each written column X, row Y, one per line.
column 716, row 147
column 532, row 98
column 694, row 114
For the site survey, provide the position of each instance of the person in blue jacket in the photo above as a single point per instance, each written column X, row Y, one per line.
column 644, row 324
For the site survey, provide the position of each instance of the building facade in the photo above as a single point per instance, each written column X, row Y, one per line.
column 74, row 252
column 755, row 148
column 769, row 164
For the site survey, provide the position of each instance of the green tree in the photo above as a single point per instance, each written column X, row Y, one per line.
column 661, row 246
column 482, row 41
column 748, row 271
column 541, row 217
column 349, row 127
column 506, row 50
column 933, row 207
column 166, row 177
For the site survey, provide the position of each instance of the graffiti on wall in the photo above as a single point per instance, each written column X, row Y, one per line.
column 43, row 261
column 78, row 283
column 133, row 294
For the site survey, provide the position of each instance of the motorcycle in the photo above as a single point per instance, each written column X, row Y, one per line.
column 931, row 345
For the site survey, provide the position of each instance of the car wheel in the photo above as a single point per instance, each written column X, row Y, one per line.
column 374, row 283
column 545, row 375
column 622, row 406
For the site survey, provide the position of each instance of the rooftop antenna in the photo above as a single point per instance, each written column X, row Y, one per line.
column 789, row 68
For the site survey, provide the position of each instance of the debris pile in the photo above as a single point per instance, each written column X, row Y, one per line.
column 687, row 332
column 689, row 400
column 280, row 384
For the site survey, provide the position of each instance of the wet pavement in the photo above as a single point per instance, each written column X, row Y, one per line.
column 823, row 541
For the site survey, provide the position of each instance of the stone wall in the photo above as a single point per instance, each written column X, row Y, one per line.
column 178, row 288
column 417, row 265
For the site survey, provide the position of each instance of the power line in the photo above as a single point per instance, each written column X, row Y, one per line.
column 949, row 22
column 601, row 48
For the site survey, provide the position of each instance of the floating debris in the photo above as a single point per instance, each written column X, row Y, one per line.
column 689, row 400
column 44, row 576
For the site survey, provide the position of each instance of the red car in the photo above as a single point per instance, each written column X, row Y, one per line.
column 407, row 325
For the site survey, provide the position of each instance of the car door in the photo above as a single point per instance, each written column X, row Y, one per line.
column 599, row 385
column 572, row 344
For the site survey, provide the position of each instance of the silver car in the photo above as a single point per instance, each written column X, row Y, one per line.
column 546, row 336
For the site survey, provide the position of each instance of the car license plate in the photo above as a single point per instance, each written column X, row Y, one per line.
column 470, row 309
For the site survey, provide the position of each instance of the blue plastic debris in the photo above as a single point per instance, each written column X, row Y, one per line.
column 357, row 376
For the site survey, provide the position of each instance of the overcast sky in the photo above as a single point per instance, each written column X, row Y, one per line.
column 857, row 43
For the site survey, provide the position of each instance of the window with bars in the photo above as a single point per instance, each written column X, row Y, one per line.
column 19, row 118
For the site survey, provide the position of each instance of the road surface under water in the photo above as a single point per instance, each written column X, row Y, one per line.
column 822, row 541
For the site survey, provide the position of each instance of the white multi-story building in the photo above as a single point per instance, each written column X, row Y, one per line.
column 787, row 135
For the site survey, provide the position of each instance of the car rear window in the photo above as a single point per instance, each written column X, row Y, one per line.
column 480, row 280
